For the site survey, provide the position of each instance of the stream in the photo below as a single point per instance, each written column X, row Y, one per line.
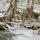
column 19, row 34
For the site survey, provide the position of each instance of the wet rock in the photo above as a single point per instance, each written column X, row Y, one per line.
column 1, row 28
column 39, row 31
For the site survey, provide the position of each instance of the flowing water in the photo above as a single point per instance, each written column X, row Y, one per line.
column 19, row 35
column 16, row 33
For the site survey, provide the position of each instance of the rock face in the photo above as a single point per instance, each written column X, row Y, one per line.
column 4, row 6
column 22, row 5
column 36, row 6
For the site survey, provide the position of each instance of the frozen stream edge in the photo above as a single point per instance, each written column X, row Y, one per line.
column 24, row 35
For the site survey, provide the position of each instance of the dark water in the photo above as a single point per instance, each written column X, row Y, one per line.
column 5, row 35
